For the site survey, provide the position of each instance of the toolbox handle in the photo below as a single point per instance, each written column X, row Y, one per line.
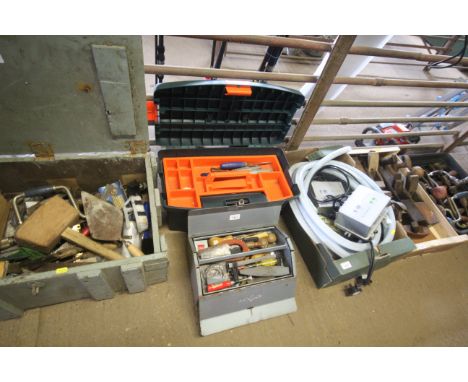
column 39, row 191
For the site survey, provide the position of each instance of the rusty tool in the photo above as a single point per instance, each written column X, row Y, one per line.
column 105, row 221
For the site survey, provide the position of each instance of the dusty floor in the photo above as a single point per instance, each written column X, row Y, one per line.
column 416, row 301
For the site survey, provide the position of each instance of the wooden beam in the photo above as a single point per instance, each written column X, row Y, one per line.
column 457, row 142
column 358, row 121
column 287, row 42
column 332, row 66
column 348, row 137
column 290, row 77
column 353, row 103
column 411, row 146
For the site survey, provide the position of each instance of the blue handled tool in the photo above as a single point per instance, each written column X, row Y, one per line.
column 236, row 165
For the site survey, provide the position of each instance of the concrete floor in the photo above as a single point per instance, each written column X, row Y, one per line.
column 417, row 301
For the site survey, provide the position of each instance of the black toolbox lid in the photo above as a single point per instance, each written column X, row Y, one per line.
column 223, row 113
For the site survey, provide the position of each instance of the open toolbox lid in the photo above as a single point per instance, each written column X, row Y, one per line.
column 72, row 94
column 223, row 113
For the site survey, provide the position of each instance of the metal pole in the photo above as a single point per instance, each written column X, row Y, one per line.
column 359, row 121
column 378, row 136
column 290, row 77
column 287, row 42
column 333, row 65
column 352, row 103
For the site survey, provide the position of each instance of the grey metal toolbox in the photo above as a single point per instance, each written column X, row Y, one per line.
column 227, row 309
column 72, row 111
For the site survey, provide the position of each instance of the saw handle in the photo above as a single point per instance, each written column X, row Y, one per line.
column 42, row 191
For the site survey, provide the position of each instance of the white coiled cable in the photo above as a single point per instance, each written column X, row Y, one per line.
column 306, row 212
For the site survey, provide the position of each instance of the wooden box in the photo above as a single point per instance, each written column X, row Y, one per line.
column 74, row 115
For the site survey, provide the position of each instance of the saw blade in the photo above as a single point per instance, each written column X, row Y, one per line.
column 271, row 271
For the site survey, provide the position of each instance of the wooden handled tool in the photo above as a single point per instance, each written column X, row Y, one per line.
column 84, row 242
column 133, row 249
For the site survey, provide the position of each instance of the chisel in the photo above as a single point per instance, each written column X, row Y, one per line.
column 236, row 165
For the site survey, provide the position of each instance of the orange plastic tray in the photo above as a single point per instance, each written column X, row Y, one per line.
column 187, row 179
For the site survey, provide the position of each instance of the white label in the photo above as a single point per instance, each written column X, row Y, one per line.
column 234, row 217
column 2, row 61
column 346, row 265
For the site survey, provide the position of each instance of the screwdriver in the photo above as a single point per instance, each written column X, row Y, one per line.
column 235, row 165
column 225, row 284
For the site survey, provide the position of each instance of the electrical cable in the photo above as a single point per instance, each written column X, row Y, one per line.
column 307, row 215
column 460, row 55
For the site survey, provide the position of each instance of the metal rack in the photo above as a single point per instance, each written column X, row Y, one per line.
column 338, row 51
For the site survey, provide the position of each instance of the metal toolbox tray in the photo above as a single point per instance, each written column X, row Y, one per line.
column 75, row 115
column 260, row 298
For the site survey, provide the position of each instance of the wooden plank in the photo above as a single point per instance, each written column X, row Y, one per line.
column 97, row 284
column 293, row 77
column 353, row 103
column 457, row 142
column 439, row 245
column 287, row 42
column 333, row 65
column 92, row 246
column 114, row 79
column 134, row 277
column 4, row 212
column 358, row 121
column 377, row 136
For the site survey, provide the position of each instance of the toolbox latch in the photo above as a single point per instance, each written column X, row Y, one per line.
column 138, row 147
column 42, row 150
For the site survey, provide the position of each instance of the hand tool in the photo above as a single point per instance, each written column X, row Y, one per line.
column 270, row 271
column 131, row 238
column 262, row 263
column 43, row 191
column 271, row 255
column 216, row 273
column 132, row 249
column 453, row 206
column 225, row 284
column 42, row 229
column 223, row 249
column 237, row 165
column 3, row 269
column 92, row 246
column 7, row 243
column 4, row 213
column 105, row 221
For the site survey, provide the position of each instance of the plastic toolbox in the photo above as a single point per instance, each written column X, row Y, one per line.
column 74, row 115
column 239, row 122
column 247, row 119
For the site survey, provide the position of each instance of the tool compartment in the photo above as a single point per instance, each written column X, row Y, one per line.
column 220, row 175
column 245, row 116
column 105, row 141
column 263, row 296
